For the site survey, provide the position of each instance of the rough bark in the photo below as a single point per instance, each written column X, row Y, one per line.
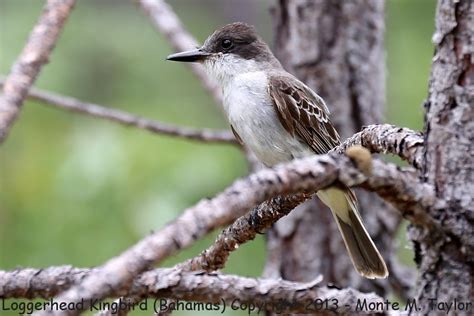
column 244, row 229
column 336, row 47
column 447, row 264
column 263, row 294
column 388, row 139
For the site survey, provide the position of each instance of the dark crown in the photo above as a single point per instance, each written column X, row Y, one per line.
column 240, row 39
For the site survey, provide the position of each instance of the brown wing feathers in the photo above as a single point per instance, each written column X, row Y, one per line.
column 303, row 114
column 286, row 113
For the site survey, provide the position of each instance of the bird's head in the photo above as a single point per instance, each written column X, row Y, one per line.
column 231, row 50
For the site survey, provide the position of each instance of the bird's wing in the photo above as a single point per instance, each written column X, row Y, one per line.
column 303, row 113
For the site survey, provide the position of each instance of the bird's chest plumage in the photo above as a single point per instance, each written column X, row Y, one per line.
column 251, row 113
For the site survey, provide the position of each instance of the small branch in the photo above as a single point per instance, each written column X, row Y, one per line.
column 268, row 294
column 167, row 22
column 302, row 175
column 114, row 115
column 385, row 138
column 242, row 230
column 35, row 54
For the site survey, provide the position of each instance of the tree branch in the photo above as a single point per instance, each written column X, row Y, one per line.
column 35, row 54
column 262, row 217
column 167, row 22
column 242, row 230
column 378, row 138
column 385, row 138
column 302, row 175
column 122, row 117
column 269, row 294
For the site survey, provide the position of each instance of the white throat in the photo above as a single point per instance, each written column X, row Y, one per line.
column 225, row 67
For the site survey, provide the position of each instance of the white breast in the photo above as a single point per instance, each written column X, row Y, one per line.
column 252, row 115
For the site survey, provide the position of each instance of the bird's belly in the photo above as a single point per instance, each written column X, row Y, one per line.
column 260, row 129
column 251, row 112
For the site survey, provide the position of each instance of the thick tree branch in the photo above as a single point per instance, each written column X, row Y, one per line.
column 385, row 138
column 167, row 22
column 446, row 266
column 303, row 175
column 122, row 117
column 35, row 54
column 269, row 294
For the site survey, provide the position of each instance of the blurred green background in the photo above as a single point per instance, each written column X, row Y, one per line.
column 78, row 190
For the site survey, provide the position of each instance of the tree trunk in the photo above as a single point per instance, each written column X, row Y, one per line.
column 336, row 47
column 446, row 264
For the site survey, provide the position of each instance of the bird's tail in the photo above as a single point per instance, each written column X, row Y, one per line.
column 364, row 255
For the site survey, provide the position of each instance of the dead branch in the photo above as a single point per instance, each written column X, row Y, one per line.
column 168, row 23
column 268, row 294
column 242, row 230
column 122, row 117
column 385, row 138
column 35, row 54
column 303, row 175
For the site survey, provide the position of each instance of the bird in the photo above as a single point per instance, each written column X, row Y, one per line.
column 279, row 118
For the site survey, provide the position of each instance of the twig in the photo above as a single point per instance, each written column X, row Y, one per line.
column 168, row 23
column 268, row 294
column 385, row 138
column 35, row 54
column 242, row 230
column 122, row 117
column 302, row 175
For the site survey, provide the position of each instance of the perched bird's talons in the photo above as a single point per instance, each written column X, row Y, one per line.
column 361, row 157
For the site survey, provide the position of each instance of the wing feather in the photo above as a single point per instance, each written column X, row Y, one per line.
column 303, row 113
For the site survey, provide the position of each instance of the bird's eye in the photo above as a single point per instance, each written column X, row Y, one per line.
column 226, row 43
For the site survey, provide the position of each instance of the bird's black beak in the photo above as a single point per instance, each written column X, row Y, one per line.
column 189, row 56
